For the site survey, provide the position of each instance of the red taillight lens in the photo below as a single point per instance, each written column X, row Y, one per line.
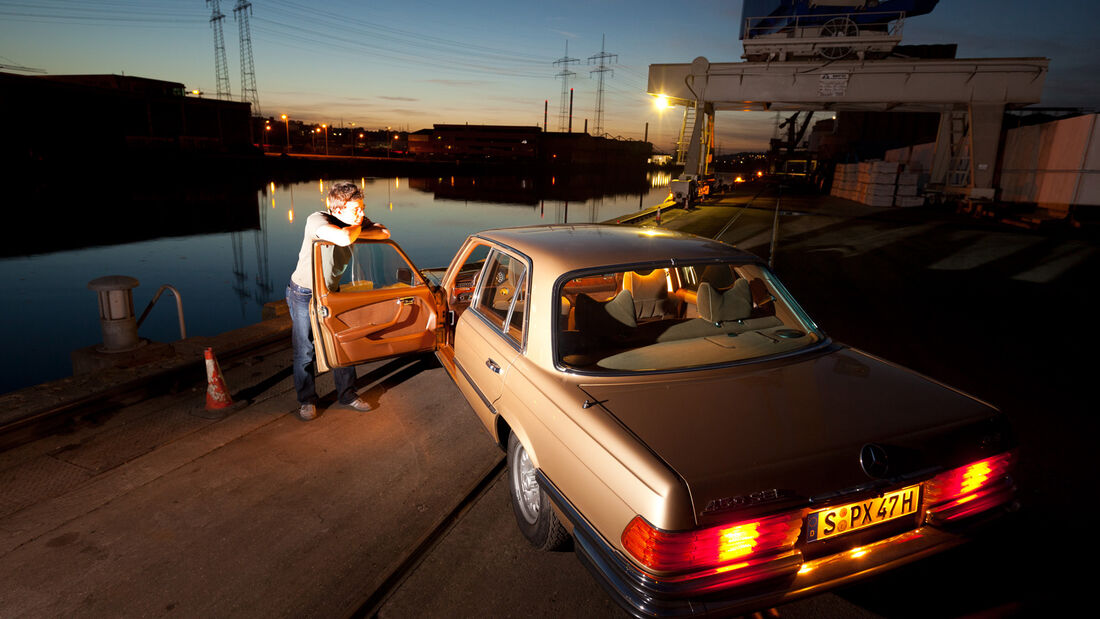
column 680, row 551
column 973, row 483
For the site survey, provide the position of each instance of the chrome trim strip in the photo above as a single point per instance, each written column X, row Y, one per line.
column 642, row 596
column 469, row 379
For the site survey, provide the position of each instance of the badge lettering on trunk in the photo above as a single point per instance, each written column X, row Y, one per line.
column 756, row 498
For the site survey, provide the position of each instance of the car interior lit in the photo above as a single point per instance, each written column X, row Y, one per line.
column 677, row 316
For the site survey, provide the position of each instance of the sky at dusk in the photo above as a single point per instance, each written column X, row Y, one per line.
column 414, row 63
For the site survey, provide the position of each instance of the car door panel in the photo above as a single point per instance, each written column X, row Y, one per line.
column 387, row 327
column 381, row 307
column 483, row 359
column 489, row 335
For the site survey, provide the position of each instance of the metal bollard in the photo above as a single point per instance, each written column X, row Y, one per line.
column 116, row 313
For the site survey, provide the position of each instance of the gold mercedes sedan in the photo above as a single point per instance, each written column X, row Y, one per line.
column 665, row 401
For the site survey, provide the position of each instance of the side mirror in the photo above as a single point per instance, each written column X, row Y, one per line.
column 405, row 276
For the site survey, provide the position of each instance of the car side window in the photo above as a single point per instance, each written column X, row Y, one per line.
column 462, row 289
column 519, row 311
column 366, row 266
column 502, row 298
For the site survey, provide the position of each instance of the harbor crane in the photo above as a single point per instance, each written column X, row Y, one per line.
column 836, row 56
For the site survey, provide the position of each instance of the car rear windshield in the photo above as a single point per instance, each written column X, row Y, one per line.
column 676, row 316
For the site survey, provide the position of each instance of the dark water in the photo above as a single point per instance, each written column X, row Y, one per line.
column 229, row 255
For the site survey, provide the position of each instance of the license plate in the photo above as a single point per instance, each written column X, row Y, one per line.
column 834, row 521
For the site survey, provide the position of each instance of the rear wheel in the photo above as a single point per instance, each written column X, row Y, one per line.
column 534, row 515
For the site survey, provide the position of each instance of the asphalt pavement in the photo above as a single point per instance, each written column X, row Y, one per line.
column 153, row 509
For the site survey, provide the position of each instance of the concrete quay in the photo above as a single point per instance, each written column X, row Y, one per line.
column 149, row 508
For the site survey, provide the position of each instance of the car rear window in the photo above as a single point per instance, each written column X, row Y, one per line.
column 675, row 316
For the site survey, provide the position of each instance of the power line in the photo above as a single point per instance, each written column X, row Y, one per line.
column 388, row 36
column 356, row 46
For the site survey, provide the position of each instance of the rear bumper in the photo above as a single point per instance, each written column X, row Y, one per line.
column 789, row 578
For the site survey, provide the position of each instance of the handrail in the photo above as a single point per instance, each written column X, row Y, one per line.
column 796, row 26
column 179, row 308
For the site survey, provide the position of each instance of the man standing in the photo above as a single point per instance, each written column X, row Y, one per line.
column 341, row 225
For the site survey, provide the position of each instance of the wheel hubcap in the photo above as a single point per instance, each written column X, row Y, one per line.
column 527, row 487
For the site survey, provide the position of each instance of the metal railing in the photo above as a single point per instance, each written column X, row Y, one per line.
column 179, row 308
column 820, row 25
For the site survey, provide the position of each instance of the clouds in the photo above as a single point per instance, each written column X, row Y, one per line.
column 562, row 33
column 420, row 62
column 457, row 83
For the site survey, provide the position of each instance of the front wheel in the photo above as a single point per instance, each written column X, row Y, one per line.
column 534, row 515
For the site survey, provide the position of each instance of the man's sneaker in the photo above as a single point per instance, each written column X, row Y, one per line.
column 307, row 412
column 359, row 404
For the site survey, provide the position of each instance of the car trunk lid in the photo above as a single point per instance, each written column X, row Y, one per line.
column 761, row 434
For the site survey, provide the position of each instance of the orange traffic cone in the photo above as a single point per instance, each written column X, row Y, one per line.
column 217, row 395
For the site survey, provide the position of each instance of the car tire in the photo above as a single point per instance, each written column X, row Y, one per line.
column 534, row 514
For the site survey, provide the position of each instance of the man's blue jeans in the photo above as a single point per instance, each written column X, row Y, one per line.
column 301, row 338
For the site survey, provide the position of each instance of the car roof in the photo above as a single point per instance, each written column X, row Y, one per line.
column 579, row 246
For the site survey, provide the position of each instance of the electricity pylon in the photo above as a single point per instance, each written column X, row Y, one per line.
column 602, row 59
column 248, row 70
column 221, row 69
column 565, row 74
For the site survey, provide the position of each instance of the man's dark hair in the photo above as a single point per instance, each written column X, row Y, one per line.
column 344, row 192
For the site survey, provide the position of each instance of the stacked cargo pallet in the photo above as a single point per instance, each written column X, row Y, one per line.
column 876, row 183
column 917, row 162
column 846, row 181
column 1055, row 166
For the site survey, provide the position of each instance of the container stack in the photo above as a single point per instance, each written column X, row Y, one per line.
column 877, row 183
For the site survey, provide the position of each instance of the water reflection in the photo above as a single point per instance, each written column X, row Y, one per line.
column 128, row 210
column 230, row 247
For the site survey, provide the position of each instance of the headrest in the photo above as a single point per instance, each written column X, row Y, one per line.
column 733, row 304
column 649, row 285
column 621, row 308
column 708, row 302
column 737, row 301
column 718, row 275
column 760, row 295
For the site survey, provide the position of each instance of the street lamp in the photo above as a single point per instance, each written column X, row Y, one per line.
column 287, row 121
column 325, row 127
column 267, row 128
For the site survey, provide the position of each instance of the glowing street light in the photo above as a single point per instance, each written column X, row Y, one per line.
column 287, row 121
column 325, row 127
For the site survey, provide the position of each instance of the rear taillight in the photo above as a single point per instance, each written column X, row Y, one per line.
column 969, row 489
column 727, row 547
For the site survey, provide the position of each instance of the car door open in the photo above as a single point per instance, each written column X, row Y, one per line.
column 369, row 302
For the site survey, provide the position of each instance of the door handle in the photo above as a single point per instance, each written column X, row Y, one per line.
column 492, row 365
